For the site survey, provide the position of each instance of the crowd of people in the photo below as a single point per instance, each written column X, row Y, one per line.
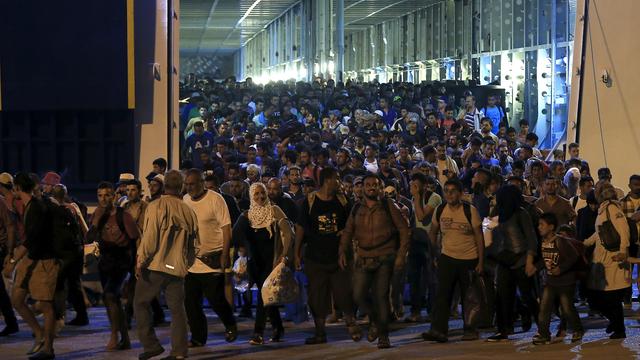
column 362, row 187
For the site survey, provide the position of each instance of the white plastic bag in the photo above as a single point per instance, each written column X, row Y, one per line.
column 240, row 274
column 488, row 224
column 280, row 287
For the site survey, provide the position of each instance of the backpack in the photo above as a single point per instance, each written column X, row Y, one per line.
column 95, row 233
column 66, row 234
column 466, row 207
column 290, row 128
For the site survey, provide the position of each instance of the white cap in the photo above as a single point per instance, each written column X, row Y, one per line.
column 379, row 112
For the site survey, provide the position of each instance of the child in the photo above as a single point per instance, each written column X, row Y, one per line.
column 560, row 257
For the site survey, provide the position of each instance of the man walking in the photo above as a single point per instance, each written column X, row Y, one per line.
column 36, row 269
column 378, row 229
column 462, row 251
column 206, row 276
column 165, row 253
column 322, row 216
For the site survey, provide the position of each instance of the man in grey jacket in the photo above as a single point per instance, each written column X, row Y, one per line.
column 165, row 254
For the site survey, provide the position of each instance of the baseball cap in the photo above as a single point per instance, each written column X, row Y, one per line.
column 51, row 178
column 6, row 179
column 358, row 180
column 125, row 178
column 397, row 98
column 379, row 113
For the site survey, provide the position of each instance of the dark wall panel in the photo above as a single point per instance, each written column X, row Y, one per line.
column 68, row 54
column 85, row 147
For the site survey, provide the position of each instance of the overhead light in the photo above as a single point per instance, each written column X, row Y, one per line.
column 255, row 3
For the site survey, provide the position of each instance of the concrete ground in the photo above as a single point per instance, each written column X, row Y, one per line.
column 88, row 343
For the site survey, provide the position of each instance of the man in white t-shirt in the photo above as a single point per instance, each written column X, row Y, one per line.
column 206, row 276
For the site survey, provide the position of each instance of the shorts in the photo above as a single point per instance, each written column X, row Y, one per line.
column 38, row 277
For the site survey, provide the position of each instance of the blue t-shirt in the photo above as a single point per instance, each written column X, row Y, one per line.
column 196, row 142
column 489, row 162
column 495, row 114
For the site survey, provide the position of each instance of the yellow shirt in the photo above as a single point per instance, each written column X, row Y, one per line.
column 458, row 238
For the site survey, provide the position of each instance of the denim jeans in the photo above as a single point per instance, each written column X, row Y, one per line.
column 565, row 296
column 450, row 273
column 374, row 281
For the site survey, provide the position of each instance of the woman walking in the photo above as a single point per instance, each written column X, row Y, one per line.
column 609, row 279
column 266, row 232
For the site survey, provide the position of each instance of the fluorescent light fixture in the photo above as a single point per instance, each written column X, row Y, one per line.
column 255, row 3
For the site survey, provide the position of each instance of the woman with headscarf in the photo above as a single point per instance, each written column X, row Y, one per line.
column 609, row 279
column 516, row 245
column 267, row 234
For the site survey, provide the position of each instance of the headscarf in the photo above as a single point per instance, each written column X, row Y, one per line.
column 508, row 201
column 260, row 216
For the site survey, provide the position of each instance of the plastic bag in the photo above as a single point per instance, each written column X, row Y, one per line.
column 280, row 287
column 240, row 275
column 476, row 302
column 488, row 224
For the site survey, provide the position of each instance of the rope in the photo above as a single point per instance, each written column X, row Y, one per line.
column 595, row 87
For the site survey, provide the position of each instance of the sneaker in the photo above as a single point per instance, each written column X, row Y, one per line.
column 383, row 342
column 434, row 336
column 470, row 336
column 577, row 336
column 618, row 335
column 231, row 334
column 541, row 340
column 257, row 339
column 497, row 337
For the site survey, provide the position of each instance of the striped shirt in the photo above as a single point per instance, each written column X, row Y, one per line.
column 473, row 119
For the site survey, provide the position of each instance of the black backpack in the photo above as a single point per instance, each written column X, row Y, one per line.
column 66, row 234
column 466, row 207
column 290, row 128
